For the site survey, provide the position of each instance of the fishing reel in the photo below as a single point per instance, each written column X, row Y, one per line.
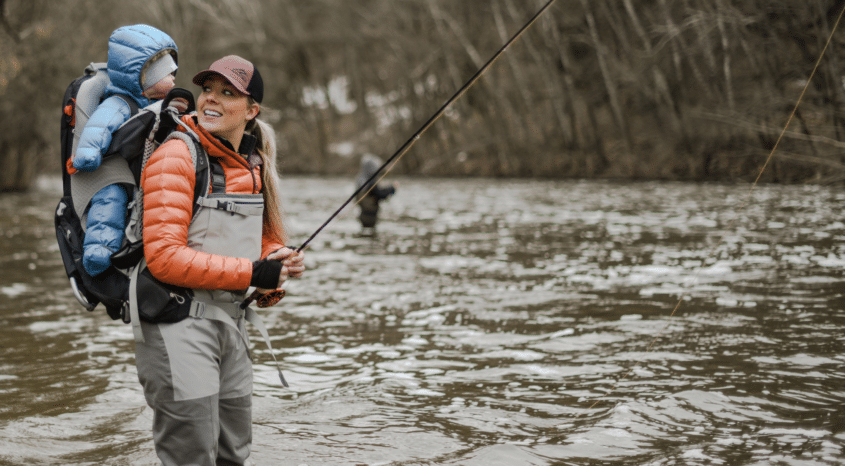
column 263, row 300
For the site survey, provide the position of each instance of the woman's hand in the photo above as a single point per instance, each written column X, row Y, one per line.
column 293, row 264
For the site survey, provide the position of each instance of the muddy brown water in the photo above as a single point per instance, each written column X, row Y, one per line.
column 490, row 322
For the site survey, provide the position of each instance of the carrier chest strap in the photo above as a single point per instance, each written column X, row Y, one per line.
column 200, row 310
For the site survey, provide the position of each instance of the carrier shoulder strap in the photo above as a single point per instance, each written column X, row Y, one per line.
column 133, row 106
column 218, row 176
column 200, row 160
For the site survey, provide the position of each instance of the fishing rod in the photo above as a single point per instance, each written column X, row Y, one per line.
column 264, row 299
column 416, row 136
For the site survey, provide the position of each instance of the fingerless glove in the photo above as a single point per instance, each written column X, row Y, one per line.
column 265, row 274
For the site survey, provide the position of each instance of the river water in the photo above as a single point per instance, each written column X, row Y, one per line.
column 491, row 322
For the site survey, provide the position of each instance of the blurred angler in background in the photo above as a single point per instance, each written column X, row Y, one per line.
column 370, row 197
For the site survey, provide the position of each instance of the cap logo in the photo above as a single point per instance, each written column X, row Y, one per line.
column 242, row 74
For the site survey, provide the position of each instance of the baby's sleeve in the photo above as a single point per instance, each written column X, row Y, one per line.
column 97, row 134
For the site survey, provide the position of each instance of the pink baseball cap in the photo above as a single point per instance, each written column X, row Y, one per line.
column 240, row 72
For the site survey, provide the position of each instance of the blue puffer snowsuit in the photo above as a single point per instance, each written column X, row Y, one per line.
column 130, row 47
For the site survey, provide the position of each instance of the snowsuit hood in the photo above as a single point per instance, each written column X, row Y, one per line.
column 130, row 47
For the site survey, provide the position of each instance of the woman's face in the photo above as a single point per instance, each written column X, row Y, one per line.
column 223, row 110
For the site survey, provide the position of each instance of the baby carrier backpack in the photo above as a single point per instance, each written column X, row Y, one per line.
column 127, row 289
column 123, row 163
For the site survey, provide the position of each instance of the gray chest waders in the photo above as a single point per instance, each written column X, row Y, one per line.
column 229, row 225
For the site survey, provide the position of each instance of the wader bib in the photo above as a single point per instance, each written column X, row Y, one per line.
column 230, row 225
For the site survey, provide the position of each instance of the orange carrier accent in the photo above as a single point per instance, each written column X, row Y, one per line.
column 69, row 166
column 69, row 111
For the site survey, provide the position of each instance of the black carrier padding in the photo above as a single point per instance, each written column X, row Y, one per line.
column 66, row 132
column 111, row 288
column 128, row 255
column 167, row 303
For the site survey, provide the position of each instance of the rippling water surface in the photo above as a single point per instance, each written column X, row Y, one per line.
column 491, row 322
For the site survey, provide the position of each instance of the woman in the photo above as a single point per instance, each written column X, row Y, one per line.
column 197, row 373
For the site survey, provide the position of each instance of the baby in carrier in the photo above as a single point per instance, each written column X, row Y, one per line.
column 141, row 66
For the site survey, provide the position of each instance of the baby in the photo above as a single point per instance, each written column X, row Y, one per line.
column 142, row 66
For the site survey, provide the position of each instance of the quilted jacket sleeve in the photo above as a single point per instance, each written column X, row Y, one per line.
column 96, row 136
column 168, row 183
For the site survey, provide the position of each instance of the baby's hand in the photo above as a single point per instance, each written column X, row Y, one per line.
column 179, row 104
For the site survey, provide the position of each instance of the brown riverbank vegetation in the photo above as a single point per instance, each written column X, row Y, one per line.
column 694, row 90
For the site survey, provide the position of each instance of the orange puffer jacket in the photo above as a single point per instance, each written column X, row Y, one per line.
column 168, row 182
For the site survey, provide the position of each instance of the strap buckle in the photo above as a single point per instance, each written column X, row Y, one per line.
column 228, row 206
column 197, row 309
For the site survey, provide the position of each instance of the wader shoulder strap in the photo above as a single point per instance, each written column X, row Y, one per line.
column 200, row 310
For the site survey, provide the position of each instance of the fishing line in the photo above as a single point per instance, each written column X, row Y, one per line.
column 736, row 214
column 416, row 136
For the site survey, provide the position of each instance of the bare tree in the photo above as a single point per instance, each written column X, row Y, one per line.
column 683, row 90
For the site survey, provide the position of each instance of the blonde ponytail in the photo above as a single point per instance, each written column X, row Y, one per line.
column 273, row 212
